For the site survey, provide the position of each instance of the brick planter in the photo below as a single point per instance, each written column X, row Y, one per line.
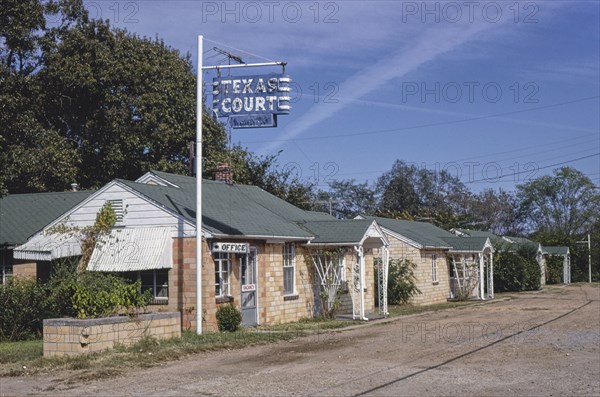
column 69, row 336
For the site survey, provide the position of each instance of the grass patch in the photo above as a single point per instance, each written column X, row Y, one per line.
column 25, row 358
column 23, row 351
column 405, row 310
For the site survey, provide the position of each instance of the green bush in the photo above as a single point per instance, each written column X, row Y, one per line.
column 23, row 307
column 229, row 318
column 401, row 281
column 516, row 271
column 61, row 287
column 103, row 295
column 554, row 269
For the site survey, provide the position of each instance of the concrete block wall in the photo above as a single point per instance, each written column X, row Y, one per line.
column 431, row 292
column 72, row 336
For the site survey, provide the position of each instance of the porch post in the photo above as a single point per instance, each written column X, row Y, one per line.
column 361, row 280
column 481, row 277
column 491, row 275
column 383, row 300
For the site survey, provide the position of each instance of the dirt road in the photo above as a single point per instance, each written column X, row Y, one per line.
column 534, row 344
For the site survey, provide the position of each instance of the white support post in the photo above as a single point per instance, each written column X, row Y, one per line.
column 199, row 113
column 590, row 256
column 361, row 281
column 386, row 267
column 491, row 275
column 481, row 277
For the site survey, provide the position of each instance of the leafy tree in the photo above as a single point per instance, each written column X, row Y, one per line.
column 567, row 202
column 497, row 212
column 423, row 194
column 348, row 199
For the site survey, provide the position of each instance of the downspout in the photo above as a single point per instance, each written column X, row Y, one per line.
column 361, row 263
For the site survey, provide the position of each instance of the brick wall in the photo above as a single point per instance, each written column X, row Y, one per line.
column 431, row 292
column 63, row 337
column 273, row 306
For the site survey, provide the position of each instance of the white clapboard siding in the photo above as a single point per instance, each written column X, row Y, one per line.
column 139, row 212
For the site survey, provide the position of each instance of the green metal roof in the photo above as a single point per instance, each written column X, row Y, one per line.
column 23, row 215
column 338, row 231
column 234, row 210
column 422, row 233
column 463, row 244
column 477, row 233
column 558, row 250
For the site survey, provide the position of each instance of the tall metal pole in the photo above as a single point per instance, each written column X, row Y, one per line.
column 199, row 114
column 590, row 256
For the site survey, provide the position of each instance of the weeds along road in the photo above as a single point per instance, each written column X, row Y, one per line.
column 544, row 343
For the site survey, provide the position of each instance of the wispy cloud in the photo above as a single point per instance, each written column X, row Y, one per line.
column 430, row 45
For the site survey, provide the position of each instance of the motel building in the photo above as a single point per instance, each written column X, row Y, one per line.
column 275, row 262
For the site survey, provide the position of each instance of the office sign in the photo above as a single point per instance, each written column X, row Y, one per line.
column 251, row 101
column 235, row 248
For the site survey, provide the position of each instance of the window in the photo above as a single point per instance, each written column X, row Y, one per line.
column 6, row 268
column 157, row 282
column 434, row 268
column 289, row 268
column 248, row 263
column 222, row 265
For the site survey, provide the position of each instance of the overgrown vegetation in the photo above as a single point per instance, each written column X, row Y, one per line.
column 554, row 269
column 516, row 270
column 72, row 291
column 401, row 281
column 23, row 306
column 229, row 318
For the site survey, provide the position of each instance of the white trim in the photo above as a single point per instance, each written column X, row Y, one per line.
column 434, row 269
column 292, row 254
column 149, row 176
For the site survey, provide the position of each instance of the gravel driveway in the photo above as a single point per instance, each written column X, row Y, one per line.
column 545, row 343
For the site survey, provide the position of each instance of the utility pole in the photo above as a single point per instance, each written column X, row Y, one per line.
column 590, row 256
column 589, row 244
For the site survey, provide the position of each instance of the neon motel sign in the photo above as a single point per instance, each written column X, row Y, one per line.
column 251, row 101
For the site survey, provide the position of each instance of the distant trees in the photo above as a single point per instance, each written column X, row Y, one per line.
column 567, row 202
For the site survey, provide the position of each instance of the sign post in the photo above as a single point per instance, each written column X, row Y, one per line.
column 199, row 114
column 255, row 102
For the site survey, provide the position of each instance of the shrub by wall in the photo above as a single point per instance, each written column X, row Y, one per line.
column 23, row 306
column 401, row 282
column 554, row 269
column 229, row 318
column 516, row 271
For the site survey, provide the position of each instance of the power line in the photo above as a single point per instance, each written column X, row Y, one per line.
column 489, row 156
column 437, row 124
column 540, row 168
column 498, row 179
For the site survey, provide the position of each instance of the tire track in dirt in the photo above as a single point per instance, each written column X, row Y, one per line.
column 461, row 356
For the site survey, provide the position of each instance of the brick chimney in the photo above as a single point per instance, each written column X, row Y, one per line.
column 224, row 173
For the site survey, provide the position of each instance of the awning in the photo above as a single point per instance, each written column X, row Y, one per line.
column 126, row 250
column 47, row 247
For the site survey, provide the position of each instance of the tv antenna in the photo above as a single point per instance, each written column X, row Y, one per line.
column 229, row 55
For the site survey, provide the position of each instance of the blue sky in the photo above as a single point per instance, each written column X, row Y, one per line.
column 482, row 89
